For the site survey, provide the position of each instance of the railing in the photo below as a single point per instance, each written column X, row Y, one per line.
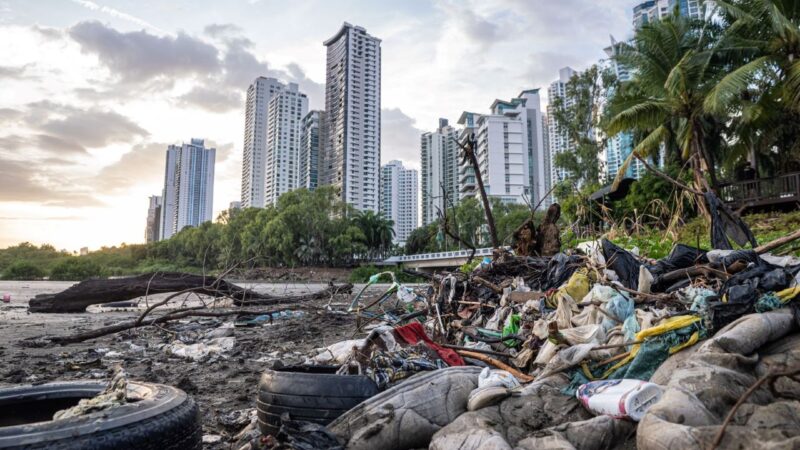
column 439, row 255
column 762, row 191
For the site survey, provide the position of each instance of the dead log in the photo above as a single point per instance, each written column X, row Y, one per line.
column 98, row 291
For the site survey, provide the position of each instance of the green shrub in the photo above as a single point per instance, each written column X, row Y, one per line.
column 76, row 269
column 23, row 270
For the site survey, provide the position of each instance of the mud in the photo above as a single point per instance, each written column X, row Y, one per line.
column 224, row 386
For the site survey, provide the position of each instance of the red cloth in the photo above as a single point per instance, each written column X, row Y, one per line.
column 413, row 333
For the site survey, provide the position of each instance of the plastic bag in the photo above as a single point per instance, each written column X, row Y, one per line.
column 725, row 223
column 623, row 263
column 511, row 327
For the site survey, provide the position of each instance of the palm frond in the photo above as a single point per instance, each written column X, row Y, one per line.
column 646, row 114
column 732, row 84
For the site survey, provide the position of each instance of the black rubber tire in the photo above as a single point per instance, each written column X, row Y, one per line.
column 161, row 418
column 313, row 394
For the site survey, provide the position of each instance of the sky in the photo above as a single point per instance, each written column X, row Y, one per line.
column 93, row 91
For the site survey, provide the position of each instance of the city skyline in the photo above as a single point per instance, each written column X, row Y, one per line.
column 94, row 176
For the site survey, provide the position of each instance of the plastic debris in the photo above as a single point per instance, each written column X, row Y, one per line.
column 628, row 399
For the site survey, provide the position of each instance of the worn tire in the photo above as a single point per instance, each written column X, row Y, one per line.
column 162, row 417
column 312, row 394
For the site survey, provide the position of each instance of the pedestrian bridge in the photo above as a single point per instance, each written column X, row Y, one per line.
column 440, row 260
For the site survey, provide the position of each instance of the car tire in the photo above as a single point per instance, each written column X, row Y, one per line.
column 157, row 417
column 308, row 393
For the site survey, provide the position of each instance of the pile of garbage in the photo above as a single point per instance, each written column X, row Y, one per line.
column 591, row 348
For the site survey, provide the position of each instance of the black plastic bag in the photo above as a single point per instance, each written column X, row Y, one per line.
column 623, row 263
column 775, row 280
column 303, row 435
column 745, row 256
column 721, row 314
column 559, row 268
column 725, row 223
column 681, row 257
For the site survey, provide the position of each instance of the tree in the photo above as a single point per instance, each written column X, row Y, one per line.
column 760, row 90
column 378, row 231
column 579, row 115
column 22, row 270
column 674, row 68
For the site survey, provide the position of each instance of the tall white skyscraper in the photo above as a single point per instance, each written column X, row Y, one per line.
column 530, row 107
column 352, row 151
column 311, row 139
column 558, row 137
column 439, row 157
column 188, row 186
column 256, row 123
column 510, row 149
column 286, row 111
column 169, row 199
column 399, row 198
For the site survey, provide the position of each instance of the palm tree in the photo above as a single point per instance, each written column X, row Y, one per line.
column 674, row 68
column 308, row 250
column 379, row 232
column 761, row 90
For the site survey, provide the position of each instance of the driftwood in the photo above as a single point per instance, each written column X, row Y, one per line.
column 197, row 311
column 98, row 291
column 778, row 242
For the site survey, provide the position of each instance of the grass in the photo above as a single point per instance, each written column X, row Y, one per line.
column 654, row 244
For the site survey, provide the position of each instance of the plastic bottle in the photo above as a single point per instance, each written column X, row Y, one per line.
column 619, row 398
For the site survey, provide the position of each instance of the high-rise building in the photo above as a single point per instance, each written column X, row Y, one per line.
column 651, row 10
column 503, row 151
column 169, row 198
column 312, row 135
column 352, row 151
column 559, row 140
column 399, row 199
column 151, row 232
column 619, row 146
column 286, row 111
column 254, row 150
column 439, row 157
column 530, row 107
column 467, row 183
column 234, row 205
column 188, row 186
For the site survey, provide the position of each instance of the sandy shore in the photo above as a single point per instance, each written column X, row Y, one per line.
column 223, row 386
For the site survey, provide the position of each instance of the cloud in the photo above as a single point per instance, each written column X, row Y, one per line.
column 13, row 73
column 62, row 129
column 94, row 128
column 139, row 56
column 399, row 137
column 478, row 29
column 221, row 71
column 9, row 114
column 144, row 164
column 39, row 142
column 116, row 13
column 21, row 181
column 222, row 29
column 213, row 100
